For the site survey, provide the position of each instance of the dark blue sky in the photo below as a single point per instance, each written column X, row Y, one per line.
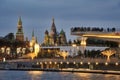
column 38, row 14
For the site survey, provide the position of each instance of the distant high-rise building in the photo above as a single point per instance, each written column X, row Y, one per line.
column 19, row 34
column 54, row 38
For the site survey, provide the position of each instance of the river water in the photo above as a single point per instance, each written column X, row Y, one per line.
column 39, row 75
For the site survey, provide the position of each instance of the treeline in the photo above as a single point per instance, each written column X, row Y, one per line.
column 98, row 42
column 95, row 42
column 10, row 41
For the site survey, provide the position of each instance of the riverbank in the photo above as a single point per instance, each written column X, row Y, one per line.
column 85, row 65
column 67, row 70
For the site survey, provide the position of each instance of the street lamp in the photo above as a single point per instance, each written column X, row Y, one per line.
column 116, row 63
column 106, row 63
column 96, row 63
column 81, row 62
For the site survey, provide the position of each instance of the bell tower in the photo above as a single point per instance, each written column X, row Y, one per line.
column 19, row 33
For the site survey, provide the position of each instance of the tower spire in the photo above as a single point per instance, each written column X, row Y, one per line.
column 36, row 40
column 19, row 33
column 33, row 33
column 19, row 21
column 53, row 27
column 53, row 20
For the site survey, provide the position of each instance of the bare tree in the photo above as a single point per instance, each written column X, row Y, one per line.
column 108, row 53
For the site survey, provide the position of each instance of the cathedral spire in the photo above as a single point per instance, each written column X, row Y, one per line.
column 53, row 27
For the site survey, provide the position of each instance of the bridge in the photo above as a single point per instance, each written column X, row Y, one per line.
column 105, row 34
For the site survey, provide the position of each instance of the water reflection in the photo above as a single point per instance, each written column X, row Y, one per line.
column 92, row 76
column 39, row 75
column 112, row 77
column 35, row 75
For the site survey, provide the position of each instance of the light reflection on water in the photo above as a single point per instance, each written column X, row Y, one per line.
column 35, row 75
column 39, row 75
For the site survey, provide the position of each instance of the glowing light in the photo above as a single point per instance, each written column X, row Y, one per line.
column 102, row 36
column 37, row 63
column 40, row 62
column 74, row 62
column 61, row 62
column 96, row 63
column 67, row 62
column 18, row 50
column 64, row 54
column 55, row 62
column 31, row 44
column 35, row 73
column 8, row 50
column 45, row 62
column 81, row 63
column 83, row 41
column 4, row 59
column 3, row 49
column 88, row 63
column 37, row 49
column 74, row 45
column 108, row 53
column 116, row 64
column 106, row 63
column 31, row 55
column 23, row 50
column 50, row 62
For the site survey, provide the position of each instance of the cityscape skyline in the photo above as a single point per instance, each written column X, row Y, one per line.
column 38, row 15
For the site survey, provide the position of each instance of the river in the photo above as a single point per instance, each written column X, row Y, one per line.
column 39, row 75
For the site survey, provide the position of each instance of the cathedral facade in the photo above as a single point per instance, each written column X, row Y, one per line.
column 53, row 37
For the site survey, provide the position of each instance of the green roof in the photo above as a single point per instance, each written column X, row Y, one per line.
column 62, row 32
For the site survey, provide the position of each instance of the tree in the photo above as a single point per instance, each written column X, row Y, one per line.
column 64, row 54
column 70, row 42
column 108, row 53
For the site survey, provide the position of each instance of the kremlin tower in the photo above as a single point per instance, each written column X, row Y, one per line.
column 33, row 40
column 19, row 34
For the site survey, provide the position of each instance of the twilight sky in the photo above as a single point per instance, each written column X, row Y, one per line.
column 38, row 14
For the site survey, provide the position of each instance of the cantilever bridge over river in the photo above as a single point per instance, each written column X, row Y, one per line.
column 113, row 35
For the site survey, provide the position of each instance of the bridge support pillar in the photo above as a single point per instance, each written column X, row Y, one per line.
column 47, row 66
column 83, row 41
column 41, row 66
column 119, row 45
